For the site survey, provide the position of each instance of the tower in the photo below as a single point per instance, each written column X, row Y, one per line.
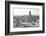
column 30, row 14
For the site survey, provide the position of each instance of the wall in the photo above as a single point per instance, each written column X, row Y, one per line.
column 2, row 18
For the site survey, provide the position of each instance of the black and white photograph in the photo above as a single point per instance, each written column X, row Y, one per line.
column 24, row 17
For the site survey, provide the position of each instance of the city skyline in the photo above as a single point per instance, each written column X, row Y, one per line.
column 21, row 12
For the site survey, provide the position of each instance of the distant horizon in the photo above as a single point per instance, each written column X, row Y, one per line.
column 26, row 15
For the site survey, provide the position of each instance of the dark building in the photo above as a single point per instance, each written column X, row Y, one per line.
column 30, row 14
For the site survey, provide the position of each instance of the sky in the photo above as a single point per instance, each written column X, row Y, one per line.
column 25, row 11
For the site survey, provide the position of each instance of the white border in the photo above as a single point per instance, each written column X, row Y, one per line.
column 24, row 29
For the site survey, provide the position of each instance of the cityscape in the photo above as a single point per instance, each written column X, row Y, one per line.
column 26, row 21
